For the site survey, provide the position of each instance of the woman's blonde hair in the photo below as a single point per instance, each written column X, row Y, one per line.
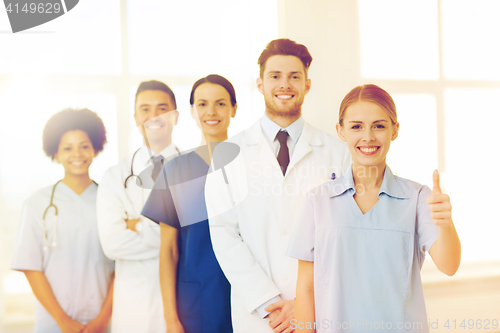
column 369, row 93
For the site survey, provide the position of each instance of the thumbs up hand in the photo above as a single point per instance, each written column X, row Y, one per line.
column 439, row 204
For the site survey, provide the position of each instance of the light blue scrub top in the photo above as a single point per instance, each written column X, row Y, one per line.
column 77, row 269
column 366, row 266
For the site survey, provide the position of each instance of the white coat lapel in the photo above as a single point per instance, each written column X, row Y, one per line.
column 261, row 151
column 254, row 134
column 308, row 138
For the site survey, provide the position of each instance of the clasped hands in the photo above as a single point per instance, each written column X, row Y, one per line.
column 282, row 312
column 69, row 325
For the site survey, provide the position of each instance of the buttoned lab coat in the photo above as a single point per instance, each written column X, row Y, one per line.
column 251, row 215
column 137, row 302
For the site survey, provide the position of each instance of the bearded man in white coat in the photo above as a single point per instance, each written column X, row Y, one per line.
column 252, row 200
column 127, row 237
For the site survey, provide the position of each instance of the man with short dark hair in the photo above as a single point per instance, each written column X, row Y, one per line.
column 127, row 237
column 252, row 201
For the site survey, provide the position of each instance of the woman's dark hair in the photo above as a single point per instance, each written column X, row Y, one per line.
column 70, row 120
column 215, row 79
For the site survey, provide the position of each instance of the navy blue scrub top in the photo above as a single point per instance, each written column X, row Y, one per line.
column 203, row 292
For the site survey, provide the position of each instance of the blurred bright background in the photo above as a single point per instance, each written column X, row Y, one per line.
column 439, row 59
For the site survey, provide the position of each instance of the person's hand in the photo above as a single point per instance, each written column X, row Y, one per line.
column 281, row 324
column 68, row 325
column 272, row 315
column 175, row 327
column 95, row 326
column 439, row 204
column 131, row 224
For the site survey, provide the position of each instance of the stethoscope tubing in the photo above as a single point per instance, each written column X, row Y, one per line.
column 132, row 168
column 46, row 246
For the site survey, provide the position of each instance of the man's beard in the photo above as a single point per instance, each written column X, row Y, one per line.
column 291, row 112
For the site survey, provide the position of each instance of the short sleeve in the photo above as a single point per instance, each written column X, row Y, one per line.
column 301, row 245
column 160, row 205
column 29, row 243
column 427, row 231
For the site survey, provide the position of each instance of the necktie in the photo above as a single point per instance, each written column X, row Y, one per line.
column 158, row 164
column 283, row 156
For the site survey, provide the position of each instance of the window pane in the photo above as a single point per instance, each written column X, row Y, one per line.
column 86, row 40
column 196, row 38
column 472, row 168
column 413, row 155
column 471, row 34
column 399, row 39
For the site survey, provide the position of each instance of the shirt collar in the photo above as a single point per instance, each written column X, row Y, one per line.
column 270, row 128
column 389, row 185
column 146, row 154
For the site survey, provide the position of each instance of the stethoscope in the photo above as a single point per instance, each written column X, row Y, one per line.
column 132, row 168
column 46, row 246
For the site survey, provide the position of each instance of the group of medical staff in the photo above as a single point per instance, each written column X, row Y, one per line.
column 272, row 230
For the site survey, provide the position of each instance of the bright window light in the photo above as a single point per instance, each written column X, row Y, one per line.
column 471, row 47
column 197, row 38
column 472, row 169
column 399, row 39
column 413, row 155
column 69, row 50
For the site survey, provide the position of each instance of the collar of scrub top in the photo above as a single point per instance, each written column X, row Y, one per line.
column 389, row 185
column 271, row 129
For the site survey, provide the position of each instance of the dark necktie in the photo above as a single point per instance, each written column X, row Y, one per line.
column 283, row 156
column 158, row 164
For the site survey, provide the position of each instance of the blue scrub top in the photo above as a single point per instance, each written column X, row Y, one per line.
column 178, row 199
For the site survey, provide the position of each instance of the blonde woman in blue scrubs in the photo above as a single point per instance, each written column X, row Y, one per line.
column 361, row 239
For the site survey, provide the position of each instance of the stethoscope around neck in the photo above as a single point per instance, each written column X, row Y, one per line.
column 46, row 245
column 132, row 168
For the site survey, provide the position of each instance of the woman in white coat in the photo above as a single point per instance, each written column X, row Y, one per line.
column 57, row 245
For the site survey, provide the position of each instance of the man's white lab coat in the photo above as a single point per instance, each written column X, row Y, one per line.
column 137, row 301
column 251, row 218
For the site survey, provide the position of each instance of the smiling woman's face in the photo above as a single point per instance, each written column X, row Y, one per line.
column 213, row 111
column 368, row 131
column 75, row 152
